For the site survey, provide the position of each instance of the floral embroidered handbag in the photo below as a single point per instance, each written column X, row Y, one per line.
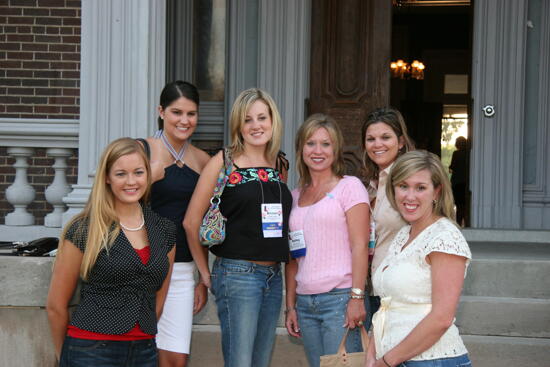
column 212, row 229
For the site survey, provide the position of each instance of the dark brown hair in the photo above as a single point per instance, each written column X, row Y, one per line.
column 393, row 118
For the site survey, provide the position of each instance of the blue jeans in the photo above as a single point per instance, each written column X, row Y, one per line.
column 460, row 361
column 107, row 353
column 320, row 317
column 249, row 298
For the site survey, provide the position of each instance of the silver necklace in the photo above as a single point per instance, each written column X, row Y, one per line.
column 134, row 229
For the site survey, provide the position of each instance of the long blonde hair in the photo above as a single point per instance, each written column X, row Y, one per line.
column 308, row 128
column 238, row 116
column 99, row 213
column 418, row 160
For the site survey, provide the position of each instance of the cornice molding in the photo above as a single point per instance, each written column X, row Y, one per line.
column 39, row 133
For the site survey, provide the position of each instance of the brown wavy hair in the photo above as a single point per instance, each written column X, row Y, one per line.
column 394, row 119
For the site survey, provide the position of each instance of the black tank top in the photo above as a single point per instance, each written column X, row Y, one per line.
column 170, row 198
column 240, row 204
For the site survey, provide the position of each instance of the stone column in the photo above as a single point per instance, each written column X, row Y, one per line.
column 122, row 74
column 283, row 66
column 498, row 79
column 20, row 193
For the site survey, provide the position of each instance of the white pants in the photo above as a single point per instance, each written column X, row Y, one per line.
column 176, row 322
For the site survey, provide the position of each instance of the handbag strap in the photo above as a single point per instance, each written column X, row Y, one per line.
column 223, row 176
column 364, row 341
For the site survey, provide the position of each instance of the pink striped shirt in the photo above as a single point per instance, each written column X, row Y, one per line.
column 327, row 264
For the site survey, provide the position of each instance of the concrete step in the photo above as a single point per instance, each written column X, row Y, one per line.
column 206, row 350
column 502, row 351
column 523, row 317
column 515, row 270
column 485, row 351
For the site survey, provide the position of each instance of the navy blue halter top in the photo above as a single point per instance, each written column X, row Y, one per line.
column 170, row 198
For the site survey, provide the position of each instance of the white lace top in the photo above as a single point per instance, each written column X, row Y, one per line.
column 404, row 282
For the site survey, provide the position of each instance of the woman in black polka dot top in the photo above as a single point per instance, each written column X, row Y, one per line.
column 123, row 253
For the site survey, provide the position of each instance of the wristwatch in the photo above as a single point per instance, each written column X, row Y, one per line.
column 358, row 291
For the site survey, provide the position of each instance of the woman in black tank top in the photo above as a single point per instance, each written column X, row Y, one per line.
column 246, row 276
column 176, row 166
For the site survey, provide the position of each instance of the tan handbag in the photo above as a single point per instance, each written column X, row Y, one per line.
column 344, row 359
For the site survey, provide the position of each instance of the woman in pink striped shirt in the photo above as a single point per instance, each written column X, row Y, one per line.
column 325, row 278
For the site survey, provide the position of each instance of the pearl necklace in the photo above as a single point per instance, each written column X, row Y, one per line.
column 134, row 229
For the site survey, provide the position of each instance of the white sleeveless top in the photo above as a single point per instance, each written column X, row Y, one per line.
column 404, row 282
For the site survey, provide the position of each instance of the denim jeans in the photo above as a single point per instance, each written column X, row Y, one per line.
column 460, row 361
column 320, row 317
column 249, row 298
column 107, row 353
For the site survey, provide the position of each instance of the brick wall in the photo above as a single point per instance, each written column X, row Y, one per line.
column 39, row 78
column 39, row 58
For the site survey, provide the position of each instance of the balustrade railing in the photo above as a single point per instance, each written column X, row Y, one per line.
column 23, row 137
column 20, row 193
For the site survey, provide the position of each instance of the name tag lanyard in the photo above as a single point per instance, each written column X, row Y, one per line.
column 372, row 235
column 272, row 215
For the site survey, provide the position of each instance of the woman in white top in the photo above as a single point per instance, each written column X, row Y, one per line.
column 421, row 277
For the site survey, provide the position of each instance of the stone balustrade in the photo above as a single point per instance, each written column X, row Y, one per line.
column 20, row 193
column 23, row 137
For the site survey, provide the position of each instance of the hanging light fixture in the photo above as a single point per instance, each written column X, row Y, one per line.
column 403, row 70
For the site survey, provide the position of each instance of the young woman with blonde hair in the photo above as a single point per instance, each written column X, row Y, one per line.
column 246, row 275
column 421, row 277
column 325, row 282
column 122, row 251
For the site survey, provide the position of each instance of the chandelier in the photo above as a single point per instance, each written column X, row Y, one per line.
column 404, row 70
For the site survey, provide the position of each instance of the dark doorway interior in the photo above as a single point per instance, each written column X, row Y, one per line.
column 435, row 108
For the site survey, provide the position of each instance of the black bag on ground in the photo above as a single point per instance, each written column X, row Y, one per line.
column 39, row 247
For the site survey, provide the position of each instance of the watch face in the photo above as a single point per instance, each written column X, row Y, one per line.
column 357, row 291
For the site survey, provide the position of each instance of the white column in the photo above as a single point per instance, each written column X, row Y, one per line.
column 283, row 67
column 59, row 187
column 20, row 193
column 122, row 74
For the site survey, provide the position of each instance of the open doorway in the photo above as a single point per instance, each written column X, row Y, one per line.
column 431, row 43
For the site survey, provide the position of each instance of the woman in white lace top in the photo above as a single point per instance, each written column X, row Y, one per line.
column 421, row 277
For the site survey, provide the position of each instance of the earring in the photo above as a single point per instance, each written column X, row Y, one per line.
column 434, row 203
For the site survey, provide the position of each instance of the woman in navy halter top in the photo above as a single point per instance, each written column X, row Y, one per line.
column 176, row 165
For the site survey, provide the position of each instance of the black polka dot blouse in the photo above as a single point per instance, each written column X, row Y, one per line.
column 121, row 290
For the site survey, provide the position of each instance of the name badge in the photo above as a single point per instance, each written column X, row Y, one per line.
column 297, row 244
column 272, row 220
